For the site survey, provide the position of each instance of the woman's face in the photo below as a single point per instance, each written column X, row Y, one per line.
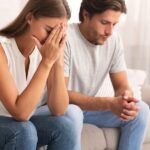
column 42, row 27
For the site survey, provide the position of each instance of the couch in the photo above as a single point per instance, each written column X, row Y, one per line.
column 94, row 138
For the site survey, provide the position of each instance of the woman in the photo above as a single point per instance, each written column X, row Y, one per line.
column 31, row 58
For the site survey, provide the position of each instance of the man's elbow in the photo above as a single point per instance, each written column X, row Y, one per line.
column 58, row 113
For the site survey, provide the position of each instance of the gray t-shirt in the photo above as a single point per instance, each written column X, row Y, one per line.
column 87, row 64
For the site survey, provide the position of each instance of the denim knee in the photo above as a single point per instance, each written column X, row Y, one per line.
column 143, row 115
column 18, row 135
column 75, row 114
column 74, row 124
column 28, row 131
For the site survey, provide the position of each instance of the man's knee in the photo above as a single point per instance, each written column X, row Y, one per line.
column 144, row 113
column 74, row 123
column 75, row 114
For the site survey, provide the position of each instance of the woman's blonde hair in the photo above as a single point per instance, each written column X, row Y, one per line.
column 38, row 8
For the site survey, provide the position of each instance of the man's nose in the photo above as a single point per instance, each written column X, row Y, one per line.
column 109, row 30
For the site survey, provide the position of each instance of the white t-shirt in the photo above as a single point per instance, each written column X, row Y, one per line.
column 16, row 63
column 87, row 64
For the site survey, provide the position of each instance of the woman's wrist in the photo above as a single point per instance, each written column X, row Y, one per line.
column 47, row 63
column 60, row 62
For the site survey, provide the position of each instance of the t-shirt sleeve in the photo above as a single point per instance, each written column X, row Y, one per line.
column 118, row 62
column 67, row 59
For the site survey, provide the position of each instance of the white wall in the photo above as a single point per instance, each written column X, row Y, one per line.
column 9, row 9
column 74, row 6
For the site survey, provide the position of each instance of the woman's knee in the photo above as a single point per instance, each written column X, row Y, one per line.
column 18, row 134
column 27, row 132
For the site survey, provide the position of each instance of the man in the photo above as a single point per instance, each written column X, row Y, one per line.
column 92, row 51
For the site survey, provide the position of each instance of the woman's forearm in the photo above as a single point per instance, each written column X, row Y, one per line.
column 58, row 99
column 30, row 97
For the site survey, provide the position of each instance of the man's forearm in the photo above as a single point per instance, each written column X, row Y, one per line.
column 120, row 91
column 90, row 103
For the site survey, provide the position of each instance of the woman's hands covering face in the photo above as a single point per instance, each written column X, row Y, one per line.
column 53, row 47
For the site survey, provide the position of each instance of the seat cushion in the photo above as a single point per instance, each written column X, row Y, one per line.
column 112, row 137
column 92, row 138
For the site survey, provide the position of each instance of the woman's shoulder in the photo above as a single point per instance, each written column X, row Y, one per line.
column 5, row 46
column 4, row 39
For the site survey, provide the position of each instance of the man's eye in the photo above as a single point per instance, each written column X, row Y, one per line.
column 114, row 24
column 104, row 22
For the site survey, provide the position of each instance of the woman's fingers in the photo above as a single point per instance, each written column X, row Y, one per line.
column 63, row 40
column 52, row 48
column 58, row 35
column 52, row 34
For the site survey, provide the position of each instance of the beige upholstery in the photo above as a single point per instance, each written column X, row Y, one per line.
column 93, row 138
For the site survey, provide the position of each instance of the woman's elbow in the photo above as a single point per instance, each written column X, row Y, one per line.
column 21, row 117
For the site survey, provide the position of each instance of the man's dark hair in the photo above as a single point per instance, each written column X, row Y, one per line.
column 99, row 6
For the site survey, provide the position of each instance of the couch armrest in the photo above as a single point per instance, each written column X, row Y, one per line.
column 146, row 93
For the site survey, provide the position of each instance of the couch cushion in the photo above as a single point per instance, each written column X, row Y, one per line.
column 146, row 93
column 146, row 146
column 92, row 138
column 111, row 136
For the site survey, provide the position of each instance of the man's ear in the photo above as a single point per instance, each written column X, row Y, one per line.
column 29, row 18
column 86, row 15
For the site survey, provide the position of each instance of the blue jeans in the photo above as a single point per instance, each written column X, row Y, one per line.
column 62, row 132
column 132, row 132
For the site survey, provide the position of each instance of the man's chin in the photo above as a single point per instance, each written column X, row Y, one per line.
column 100, row 42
